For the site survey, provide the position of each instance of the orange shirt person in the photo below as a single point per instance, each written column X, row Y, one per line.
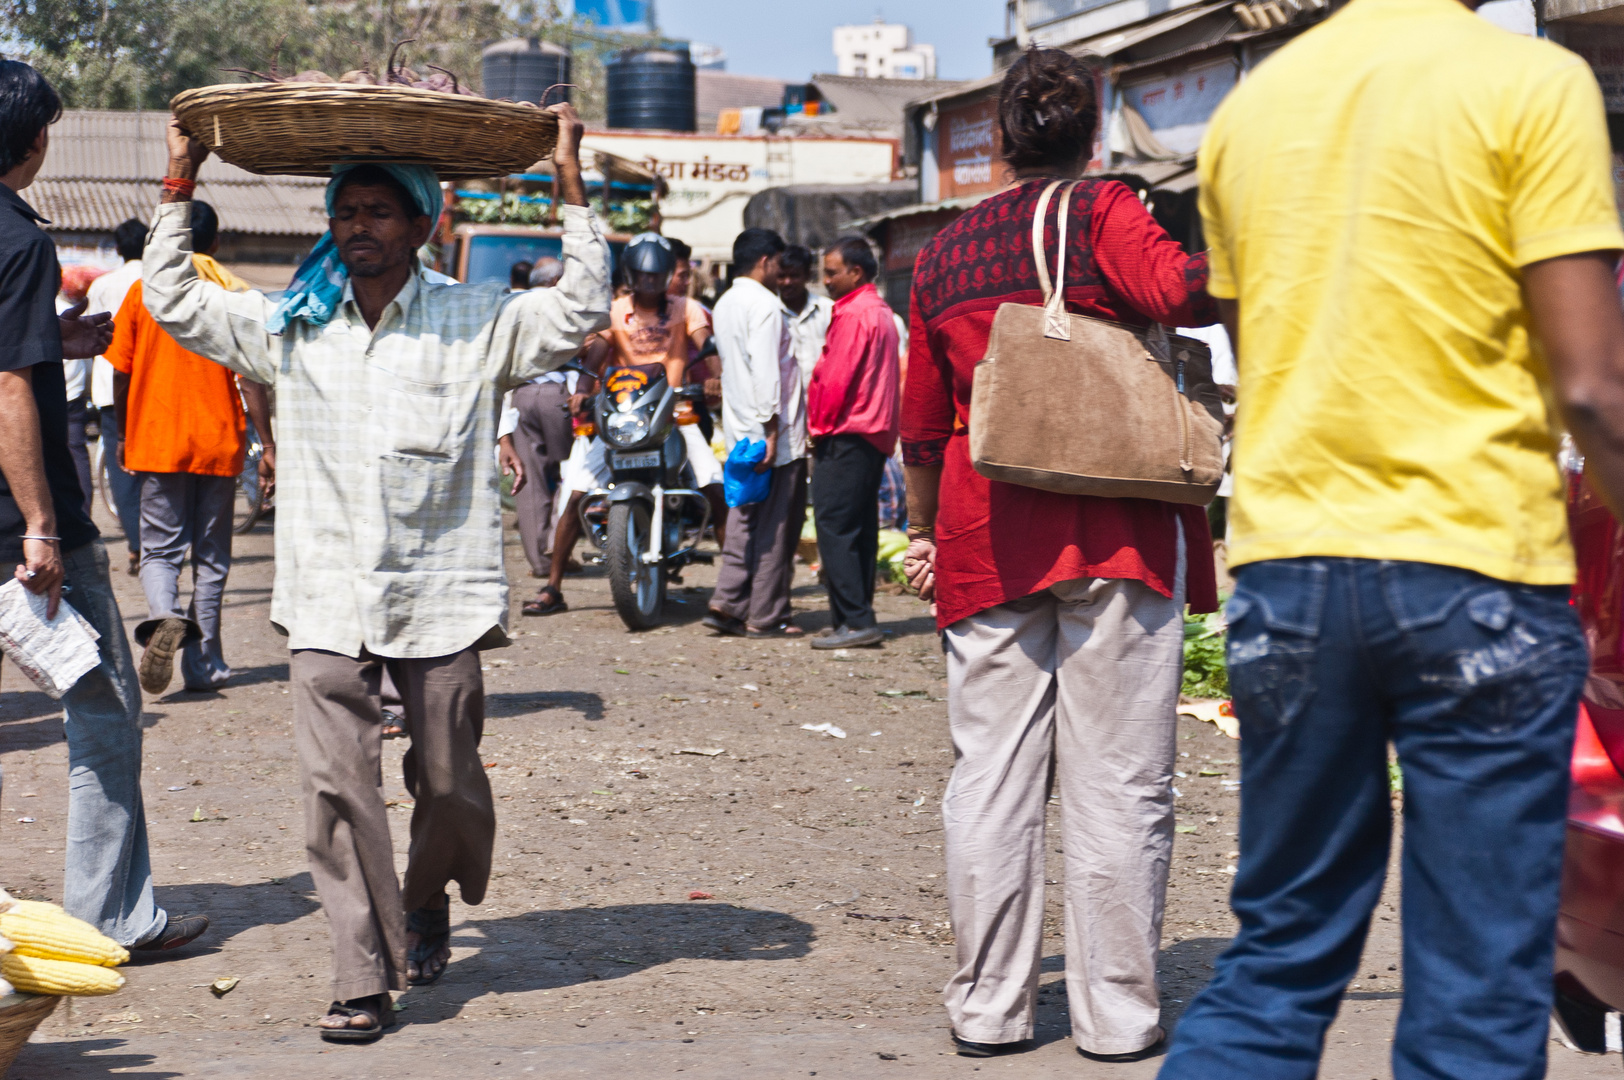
column 185, row 438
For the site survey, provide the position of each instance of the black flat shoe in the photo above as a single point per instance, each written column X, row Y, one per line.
column 966, row 1048
column 1135, row 1055
column 177, row 932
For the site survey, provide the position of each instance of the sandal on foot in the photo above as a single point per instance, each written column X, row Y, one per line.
column 783, row 629
column 723, row 624
column 379, row 1008
column 433, row 928
column 548, row 601
column 394, row 724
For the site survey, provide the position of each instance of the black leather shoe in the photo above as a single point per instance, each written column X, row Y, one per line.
column 847, row 638
column 176, row 932
column 966, row 1048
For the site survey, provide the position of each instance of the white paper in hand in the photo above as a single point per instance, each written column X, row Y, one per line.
column 55, row 653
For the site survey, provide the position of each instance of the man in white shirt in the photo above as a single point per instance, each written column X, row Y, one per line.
column 809, row 312
column 762, row 398
column 107, row 293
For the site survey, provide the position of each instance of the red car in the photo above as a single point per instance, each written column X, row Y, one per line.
column 1590, row 928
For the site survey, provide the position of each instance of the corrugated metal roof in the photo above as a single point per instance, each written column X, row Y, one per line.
column 1126, row 37
column 104, row 167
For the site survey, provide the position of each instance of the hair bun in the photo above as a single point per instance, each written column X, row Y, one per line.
column 1048, row 110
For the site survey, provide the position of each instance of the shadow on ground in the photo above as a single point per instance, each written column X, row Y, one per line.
column 544, row 950
column 234, row 908
column 29, row 720
column 589, row 705
column 86, row 1058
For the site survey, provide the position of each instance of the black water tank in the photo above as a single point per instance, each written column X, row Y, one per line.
column 651, row 88
column 524, row 68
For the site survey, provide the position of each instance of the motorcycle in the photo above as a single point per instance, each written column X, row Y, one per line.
column 650, row 519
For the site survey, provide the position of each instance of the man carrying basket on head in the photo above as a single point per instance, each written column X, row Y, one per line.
column 388, row 537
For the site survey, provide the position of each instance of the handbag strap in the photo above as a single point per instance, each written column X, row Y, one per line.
column 1055, row 323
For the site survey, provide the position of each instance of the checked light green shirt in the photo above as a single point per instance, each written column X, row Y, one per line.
column 388, row 513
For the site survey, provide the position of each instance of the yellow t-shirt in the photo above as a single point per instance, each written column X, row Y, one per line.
column 1370, row 194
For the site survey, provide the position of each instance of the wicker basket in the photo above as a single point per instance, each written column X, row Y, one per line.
column 304, row 129
column 20, row 1014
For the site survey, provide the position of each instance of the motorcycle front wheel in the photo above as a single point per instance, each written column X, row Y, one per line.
column 638, row 588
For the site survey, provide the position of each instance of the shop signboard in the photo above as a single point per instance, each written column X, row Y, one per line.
column 968, row 143
column 711, row 177
column 1177, row 106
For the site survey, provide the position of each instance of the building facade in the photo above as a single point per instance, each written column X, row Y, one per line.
column 881, row 50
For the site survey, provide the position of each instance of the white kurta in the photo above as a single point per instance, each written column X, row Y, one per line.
column 760, row 376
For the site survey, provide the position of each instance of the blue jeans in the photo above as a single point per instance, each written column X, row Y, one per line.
column 1476, row 683
column 109, row 873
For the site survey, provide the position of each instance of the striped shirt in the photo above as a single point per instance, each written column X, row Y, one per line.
column 388, row 530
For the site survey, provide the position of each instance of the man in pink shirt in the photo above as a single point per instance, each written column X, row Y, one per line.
column 852, row 417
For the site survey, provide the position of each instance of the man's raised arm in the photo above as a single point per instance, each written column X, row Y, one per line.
column 226, row 327
column 542, row 328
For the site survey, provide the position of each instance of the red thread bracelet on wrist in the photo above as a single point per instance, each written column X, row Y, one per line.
column 179, row 185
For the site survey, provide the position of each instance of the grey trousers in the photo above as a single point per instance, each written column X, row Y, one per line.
column 1080, row 683
column 126, row 485
column 337, row 727
column 543, row 440
column 181, row 510
column 109, row 872
column 758, row 560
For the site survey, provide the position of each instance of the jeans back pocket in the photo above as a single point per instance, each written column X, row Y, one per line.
column 1274, row 628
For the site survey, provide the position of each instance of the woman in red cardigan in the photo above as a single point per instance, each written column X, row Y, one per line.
column 1061, row 615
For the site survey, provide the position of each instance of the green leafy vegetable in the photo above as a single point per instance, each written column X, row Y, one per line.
column 1205, row 675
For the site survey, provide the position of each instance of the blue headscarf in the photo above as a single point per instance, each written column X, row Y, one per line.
column 318, row 284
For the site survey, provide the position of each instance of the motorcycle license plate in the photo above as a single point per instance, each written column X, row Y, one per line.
column 637, row 461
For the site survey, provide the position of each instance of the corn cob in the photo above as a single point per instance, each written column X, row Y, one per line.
column 49, row 933
column 59, row 978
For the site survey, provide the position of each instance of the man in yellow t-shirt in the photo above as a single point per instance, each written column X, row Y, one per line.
column 1413, row 236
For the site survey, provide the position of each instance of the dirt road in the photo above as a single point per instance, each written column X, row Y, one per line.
column 632, row 771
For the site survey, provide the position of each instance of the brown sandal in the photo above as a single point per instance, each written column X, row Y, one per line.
column 783, row 629
column 541, row 605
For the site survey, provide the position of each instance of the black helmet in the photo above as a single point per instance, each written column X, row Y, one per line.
column 649, row 253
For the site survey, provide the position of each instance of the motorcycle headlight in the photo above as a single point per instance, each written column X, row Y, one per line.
column 626, row 428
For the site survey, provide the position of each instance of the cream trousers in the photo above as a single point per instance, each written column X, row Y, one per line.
column 1077, row 684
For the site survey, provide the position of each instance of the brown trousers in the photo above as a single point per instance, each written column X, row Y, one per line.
column 758, row 560
column 337, row 726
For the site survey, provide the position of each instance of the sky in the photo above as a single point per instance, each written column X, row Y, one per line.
column 792, row 41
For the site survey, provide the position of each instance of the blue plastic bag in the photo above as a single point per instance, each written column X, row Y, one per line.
column 741, row 484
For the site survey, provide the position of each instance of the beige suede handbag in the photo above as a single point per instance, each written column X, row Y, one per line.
column 1085, row 406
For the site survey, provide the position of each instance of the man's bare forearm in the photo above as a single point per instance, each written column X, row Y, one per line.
column 572, row 187
column 258, row 402
column 1574, row 306
column 22, row 452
